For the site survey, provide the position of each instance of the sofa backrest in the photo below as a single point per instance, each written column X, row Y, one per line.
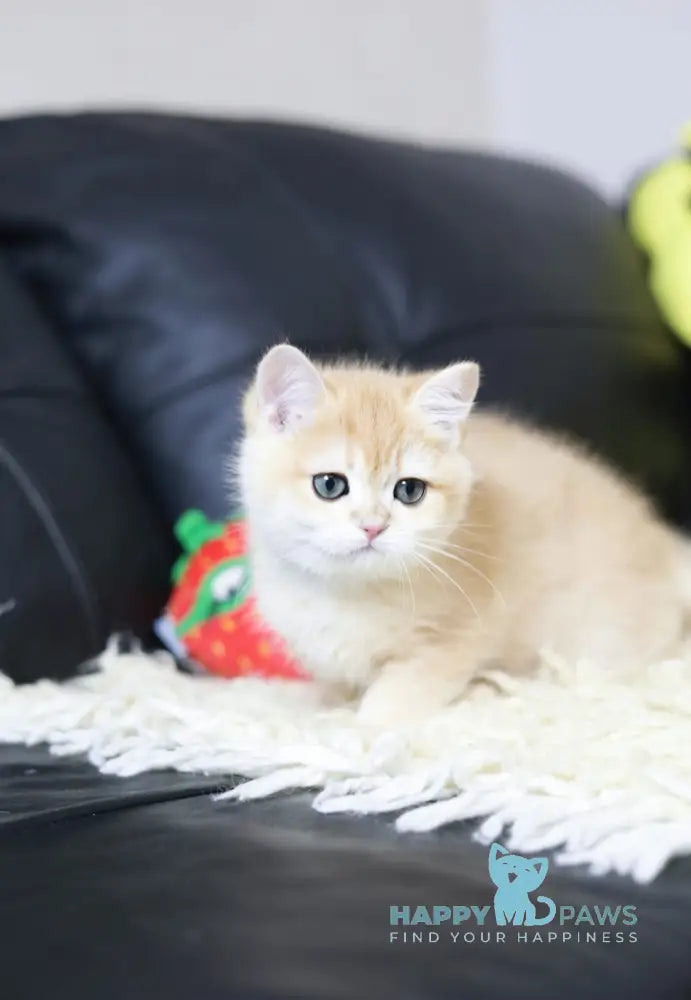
column 164, row 254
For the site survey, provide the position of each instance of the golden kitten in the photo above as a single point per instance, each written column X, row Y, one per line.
column 398, row 546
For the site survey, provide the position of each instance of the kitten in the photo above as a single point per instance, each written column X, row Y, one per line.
column 398, row 546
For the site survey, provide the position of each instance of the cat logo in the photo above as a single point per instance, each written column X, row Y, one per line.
column 515, row 877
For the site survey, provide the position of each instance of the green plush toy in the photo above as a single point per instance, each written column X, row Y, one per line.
column 659, row 218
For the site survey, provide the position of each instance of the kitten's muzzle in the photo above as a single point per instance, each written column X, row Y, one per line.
column 373, row 530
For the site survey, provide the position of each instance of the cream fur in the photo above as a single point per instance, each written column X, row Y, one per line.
column 521, row 542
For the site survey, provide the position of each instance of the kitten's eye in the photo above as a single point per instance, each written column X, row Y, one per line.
column 410, row 490
column 330, row 485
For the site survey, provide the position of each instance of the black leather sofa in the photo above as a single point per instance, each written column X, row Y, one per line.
column 145, row 262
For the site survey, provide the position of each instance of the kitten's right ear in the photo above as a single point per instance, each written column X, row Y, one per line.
column 288, row 387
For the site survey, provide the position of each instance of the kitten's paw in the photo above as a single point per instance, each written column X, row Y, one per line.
column 384, row 707
column 409, row 692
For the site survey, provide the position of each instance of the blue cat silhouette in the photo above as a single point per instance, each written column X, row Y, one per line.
column 515, row 877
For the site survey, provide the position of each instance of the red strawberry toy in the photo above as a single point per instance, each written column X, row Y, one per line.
column 211, row 618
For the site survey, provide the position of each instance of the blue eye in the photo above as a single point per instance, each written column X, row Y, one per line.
column 330, row 485
column 410, row 491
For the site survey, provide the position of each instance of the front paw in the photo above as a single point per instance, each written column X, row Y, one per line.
column 386, row 706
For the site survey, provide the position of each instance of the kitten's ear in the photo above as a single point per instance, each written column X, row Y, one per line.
column 288, row 387
column 447, row 397
column 496, row 851
column 540, row 865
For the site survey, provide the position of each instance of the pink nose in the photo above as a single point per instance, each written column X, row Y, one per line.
column 373, row 530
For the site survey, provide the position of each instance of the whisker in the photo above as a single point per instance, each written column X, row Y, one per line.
column 401, row 579
column 467, row 564
column 462, row 524
column 426, row 564
column 460, row 548
column 431, row 564
column 410, row 587
column 458, row 527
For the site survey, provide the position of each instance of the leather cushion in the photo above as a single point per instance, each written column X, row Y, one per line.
column 83, row 553
column 125, row 893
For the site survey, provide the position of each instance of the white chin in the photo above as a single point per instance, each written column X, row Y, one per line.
column 358, row 563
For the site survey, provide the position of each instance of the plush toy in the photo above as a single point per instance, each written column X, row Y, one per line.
column 659, row 217
column 210, row 620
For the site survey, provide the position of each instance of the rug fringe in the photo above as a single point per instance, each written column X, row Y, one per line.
column 542, row 763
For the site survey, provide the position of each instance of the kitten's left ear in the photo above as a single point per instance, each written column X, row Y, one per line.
column 288, row 387
column 447, row 397
column 496, row 851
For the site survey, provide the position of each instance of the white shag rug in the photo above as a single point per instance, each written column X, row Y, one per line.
column 571, row 759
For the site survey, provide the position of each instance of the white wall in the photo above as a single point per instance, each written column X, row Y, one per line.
column 409, row 67
column 601, row 86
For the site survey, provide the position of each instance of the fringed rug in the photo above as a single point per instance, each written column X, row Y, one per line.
column 570, row 759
